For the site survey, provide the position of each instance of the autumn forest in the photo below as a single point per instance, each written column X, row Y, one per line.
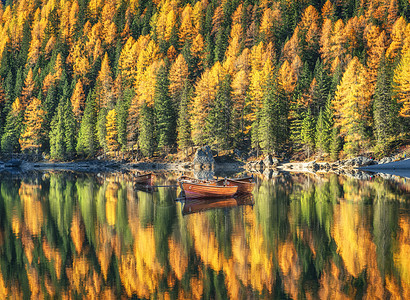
column 83, row 77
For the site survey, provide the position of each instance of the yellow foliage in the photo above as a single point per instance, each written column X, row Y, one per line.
column 30, row 198
column 177, row 258
column 402, row 84
column 77, row 232
column 78, row 100
column 112, row 131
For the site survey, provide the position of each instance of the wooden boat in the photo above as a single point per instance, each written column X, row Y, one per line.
column 195, row 190
column 245, row 185
column 145, row 179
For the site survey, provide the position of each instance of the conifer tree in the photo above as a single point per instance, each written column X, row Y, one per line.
column 308, row 132
column 32, row 134
column 56, row 135
column 183, row 125
column 336, row 144
column 383, row 110
column 70, row 133
column 87, row 140
column 324, row 129
column 10, row 138
column 218, row 122
column 164, row 112
column 122, row 108
column 101, row 128
column 146, row 125
column 272, row 127
column 112, row 131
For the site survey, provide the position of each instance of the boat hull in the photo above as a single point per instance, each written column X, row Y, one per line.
column 207, row 190
column 146, row 179
column 245, row 185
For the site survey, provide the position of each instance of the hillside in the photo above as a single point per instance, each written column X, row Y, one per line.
column 79, row 78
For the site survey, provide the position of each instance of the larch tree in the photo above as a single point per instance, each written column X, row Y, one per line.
column 178, row 74
column 352, row 107
column 112, row 131
column 32, row 133
column 401, row 87
column 78, row 100
column 28, row 89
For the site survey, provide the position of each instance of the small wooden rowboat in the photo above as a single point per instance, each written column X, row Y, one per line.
column 195, row 190
column 146, row 179
column 245, row 185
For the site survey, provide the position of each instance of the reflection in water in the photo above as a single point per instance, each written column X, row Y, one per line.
column 297, row 236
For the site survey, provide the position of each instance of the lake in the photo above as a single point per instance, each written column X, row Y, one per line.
column 299, row 236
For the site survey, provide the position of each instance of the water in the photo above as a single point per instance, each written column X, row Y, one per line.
column 297, row 237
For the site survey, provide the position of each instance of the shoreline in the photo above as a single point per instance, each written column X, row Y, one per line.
column 399, row 168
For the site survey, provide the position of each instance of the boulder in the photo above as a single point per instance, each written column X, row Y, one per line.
column 204, row 157
column 386, row 160
column 359, row 161
column 267, row 161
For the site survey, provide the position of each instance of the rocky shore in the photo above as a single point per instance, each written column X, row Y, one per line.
column 204, row 160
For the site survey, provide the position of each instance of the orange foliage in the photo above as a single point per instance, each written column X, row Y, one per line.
column 77, row 232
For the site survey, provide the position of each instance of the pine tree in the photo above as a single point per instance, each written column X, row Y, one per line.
column 218, row 122
column 307, row 132
column 324, row 129
column 101, row 128
column 56, row 134
column 383, row 110
column 272, row 127
column 87, row 140
column 122, row 108
column 10, row 138
column 146, row 139
column 183, row 125
column 336, row 144
column 164, row 112
column 69, row 128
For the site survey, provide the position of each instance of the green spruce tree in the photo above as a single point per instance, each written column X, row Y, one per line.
column 146, row 140
column 183, row 125
column 307, row 132
column 383, row 110
column 87, row 140
column 56, row 134
column 164, row 112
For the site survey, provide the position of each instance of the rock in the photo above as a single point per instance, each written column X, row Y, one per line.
column 359, row 161
column 203, row 156
column 386, row 160
column 267, row 161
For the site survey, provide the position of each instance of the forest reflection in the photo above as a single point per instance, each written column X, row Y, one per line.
column 67, row 235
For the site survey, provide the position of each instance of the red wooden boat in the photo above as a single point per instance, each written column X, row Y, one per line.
column 245, row 185
column 145, row 179
column 211, row 189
